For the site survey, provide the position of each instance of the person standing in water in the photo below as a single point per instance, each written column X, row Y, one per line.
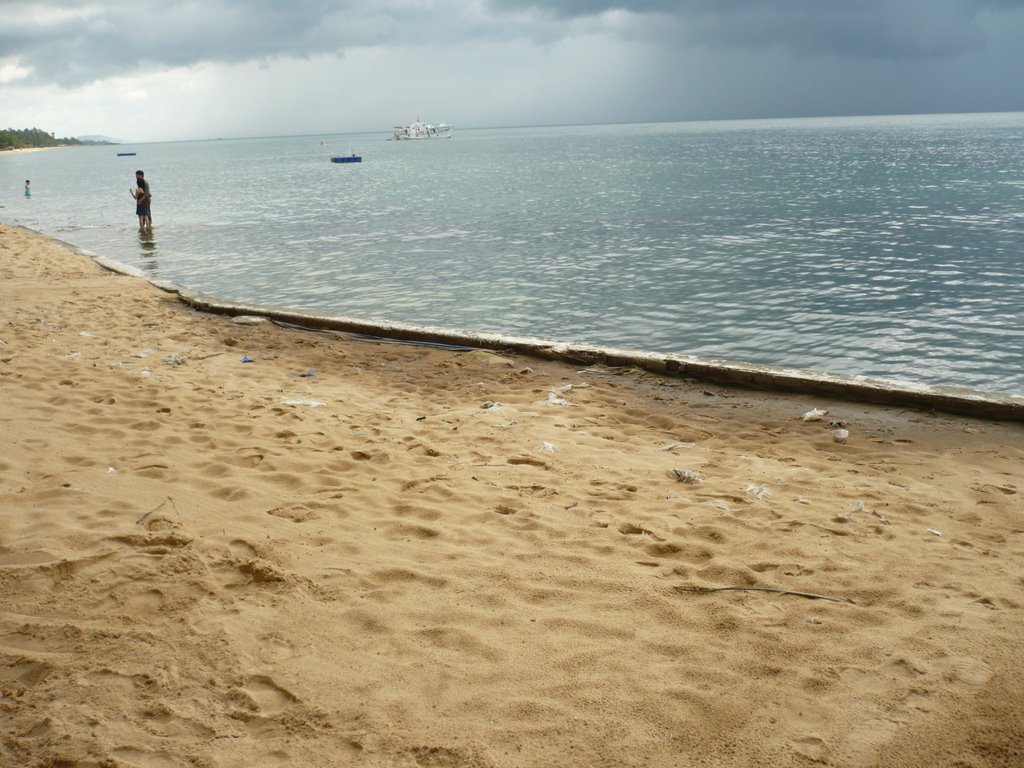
column 28, row 188
column 142, row 198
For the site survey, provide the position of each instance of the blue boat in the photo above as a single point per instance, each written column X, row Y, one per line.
column 346, row 158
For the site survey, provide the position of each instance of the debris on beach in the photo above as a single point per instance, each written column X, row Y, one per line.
column 310, row 403
column 687, row 476
column 175, row 360
column 815, row 414
column 934, row 532
column 247, row 359
column 490, row 405
column 555, row 397
column 847, row 514
column 673, row 446
column 840, row 435
column 489, row 357
column 547, row 447
column 308, row 374
column 248, row 320
column 757, row 491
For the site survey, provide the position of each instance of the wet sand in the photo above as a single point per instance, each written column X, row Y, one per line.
column 353, row 552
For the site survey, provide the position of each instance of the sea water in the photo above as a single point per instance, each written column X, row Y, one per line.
column 888, row 246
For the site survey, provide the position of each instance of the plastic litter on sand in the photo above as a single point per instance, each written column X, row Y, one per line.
column 687, row 476
column 815, row 414
column 757, row 491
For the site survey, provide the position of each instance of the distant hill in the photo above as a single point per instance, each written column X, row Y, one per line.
column 29, row 138
column 97, row 139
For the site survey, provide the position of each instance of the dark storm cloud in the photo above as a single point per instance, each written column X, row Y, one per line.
column 71, row 42
column 892, row 29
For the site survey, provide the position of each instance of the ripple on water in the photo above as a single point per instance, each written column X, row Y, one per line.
column 817, row 244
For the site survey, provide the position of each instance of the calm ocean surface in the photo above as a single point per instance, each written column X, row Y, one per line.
column 889, row 246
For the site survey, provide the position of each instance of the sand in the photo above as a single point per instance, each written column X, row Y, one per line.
column 419, row 556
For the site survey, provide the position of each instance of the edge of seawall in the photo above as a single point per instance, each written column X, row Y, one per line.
column 956, row 400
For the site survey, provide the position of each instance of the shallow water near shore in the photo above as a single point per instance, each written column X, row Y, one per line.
column 879, row 246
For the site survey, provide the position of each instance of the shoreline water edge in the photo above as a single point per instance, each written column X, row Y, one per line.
column 874, row 247
column 230, row 541
column 956, row 400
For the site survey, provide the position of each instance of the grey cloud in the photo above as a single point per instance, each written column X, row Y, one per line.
column 70, row 42
column 886, row 29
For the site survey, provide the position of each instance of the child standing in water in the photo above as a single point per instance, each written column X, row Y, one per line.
column 28, row 188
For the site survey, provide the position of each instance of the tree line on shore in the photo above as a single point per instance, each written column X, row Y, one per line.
column 26, row 138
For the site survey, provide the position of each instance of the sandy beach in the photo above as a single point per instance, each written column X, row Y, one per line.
column 358, row 552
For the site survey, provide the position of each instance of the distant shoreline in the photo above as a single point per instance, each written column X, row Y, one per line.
column 19, row 150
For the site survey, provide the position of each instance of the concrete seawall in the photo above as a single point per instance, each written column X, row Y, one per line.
column 957, row 400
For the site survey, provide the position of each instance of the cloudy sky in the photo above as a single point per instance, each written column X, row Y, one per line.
column 192, row 69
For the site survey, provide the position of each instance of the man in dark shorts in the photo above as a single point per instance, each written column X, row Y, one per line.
column 142, row 198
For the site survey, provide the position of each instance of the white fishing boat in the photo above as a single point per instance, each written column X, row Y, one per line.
column 421, row 130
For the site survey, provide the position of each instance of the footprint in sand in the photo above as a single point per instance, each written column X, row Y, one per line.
column 242, row 548
column 125, row 682
column 865, row 744
column 628, row 529
column 664, row 549
column 274, row 649
column 374, row 457
column 420, row 512
column 265, row 698
column 407, row 531
column 813, row 747
column 296, row 513
column 966, row 670
column 20, row 676
column 230, row 493
column 148, row 758
column 1006, row 490
column 148, row 602
column 247, row 458
column 30, row 558
column 154, row 542
column 442, row 757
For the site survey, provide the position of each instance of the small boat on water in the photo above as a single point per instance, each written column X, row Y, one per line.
column 421, row 130
column 346, row 158
column 126, row 154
